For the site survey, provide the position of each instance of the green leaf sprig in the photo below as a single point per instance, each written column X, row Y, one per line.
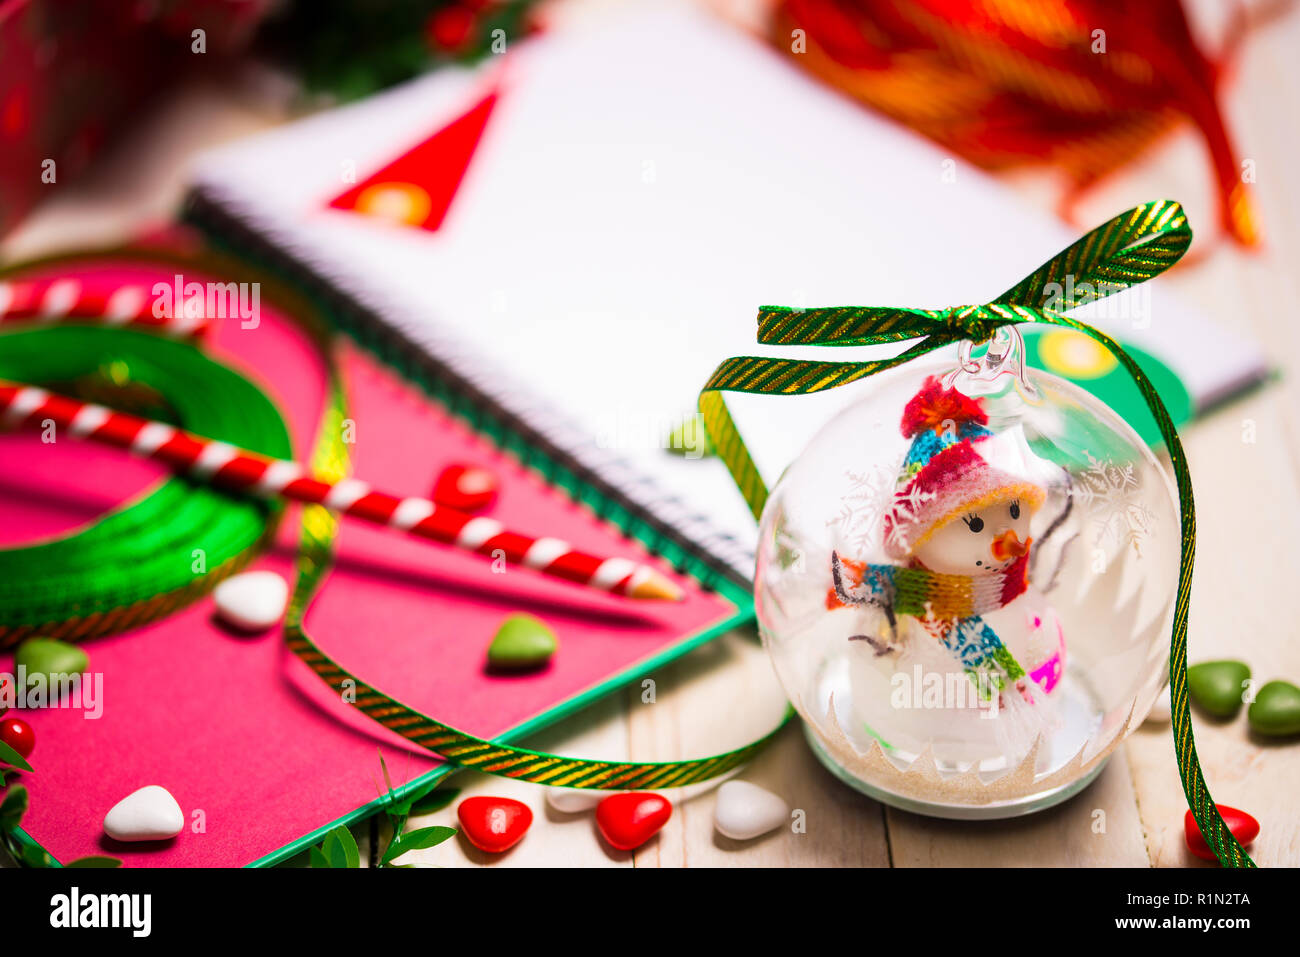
column 339, row 849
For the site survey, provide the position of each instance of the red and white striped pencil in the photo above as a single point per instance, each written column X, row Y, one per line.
column 34, row 301
column 229, row 467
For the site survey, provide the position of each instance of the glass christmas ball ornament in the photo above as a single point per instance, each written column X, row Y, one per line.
column 966, row 585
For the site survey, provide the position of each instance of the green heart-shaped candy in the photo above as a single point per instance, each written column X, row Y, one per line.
column 45, row 656
column 522, row 641
column 1276, row 710
column 1217, row 686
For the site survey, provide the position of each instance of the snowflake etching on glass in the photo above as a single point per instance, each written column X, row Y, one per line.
column 1109, row 490
column 862, row 507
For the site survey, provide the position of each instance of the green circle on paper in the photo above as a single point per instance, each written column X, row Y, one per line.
column 1079, row 359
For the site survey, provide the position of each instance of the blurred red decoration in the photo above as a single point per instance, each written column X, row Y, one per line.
column 75, row 71
column 1079, row 85
column 451, row 28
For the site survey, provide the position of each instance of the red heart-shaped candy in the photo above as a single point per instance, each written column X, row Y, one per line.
column 465, row 487
column 629, row 820
column 494, row 824
column 1243, row 827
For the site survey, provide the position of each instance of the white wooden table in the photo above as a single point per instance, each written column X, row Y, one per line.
column 1248, row 506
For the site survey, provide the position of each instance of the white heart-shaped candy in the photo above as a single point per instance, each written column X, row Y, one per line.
column 252, row 601
column 745, row 811
column 149, row 814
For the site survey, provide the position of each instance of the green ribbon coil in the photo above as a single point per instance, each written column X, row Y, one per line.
column 153, row 555
column 1126, row 251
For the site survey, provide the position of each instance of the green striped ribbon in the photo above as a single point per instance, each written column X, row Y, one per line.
column 1129, row 249
column 138, row 563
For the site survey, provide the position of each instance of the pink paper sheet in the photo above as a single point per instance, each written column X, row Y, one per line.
column 235, row 727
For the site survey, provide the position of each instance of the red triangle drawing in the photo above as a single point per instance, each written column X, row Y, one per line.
column 418, row 187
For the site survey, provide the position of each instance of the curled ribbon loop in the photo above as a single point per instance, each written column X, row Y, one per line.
column 1124, row 252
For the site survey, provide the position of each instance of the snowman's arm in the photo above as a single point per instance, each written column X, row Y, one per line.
column 866, row 597
column 842, row 592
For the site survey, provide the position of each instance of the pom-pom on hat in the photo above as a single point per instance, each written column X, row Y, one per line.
column 955, row 464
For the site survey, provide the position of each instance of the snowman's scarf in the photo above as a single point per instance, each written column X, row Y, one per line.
column 948, row 606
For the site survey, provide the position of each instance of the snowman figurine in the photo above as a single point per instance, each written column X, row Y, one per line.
column 956, row 597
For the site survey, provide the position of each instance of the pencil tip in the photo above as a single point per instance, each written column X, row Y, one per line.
column 655, row 586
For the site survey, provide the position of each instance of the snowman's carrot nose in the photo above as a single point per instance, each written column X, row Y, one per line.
column 1008, row 545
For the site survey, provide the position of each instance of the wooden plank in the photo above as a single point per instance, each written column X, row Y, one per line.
column 1099, row 827
column 716, row 698
column 1247, row 527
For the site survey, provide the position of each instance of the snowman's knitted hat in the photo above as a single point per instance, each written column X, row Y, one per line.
column 955, row 464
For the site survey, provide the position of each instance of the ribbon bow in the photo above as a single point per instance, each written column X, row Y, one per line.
column 1126, row 251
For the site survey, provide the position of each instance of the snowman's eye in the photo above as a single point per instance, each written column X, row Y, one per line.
column 1015, row 510
column 974, row 523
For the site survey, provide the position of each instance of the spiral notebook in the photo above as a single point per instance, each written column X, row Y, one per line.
column 581, row 229
column 262, row 756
